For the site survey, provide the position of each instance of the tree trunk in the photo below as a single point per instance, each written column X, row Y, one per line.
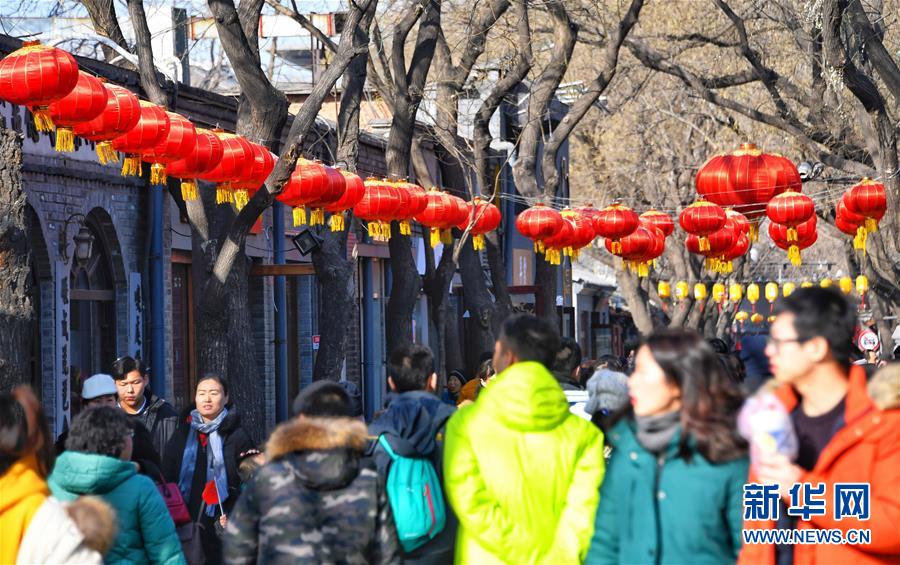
column 481, row 327
column 16, row 307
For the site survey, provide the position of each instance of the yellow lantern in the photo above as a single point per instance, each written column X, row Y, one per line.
column 681, row 290
column 806, row 284
column 742, row 316
column 771, row 319
column 771, row 291
column 736, row 293
column 788, row 289
column 757, row 318
column 826, row 283
column 718, row 293
column 753, row 295
column 846, row 285
column 862, row 284
column 664, row 289
column 700, row 292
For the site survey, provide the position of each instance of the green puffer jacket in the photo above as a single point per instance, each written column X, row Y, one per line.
column 522, row 472
column 146, row 532
column 667, row 510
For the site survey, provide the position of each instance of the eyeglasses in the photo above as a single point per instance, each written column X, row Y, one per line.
column 130, row 433
column 778, row 342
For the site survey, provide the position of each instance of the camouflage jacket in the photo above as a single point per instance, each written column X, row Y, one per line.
column 314, row 501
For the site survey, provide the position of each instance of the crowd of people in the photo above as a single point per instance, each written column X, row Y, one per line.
column 539, row 458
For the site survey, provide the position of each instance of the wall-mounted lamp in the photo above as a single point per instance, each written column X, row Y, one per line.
column 306, row 241
column 84, row 240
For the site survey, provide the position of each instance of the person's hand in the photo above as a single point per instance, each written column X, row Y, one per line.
column 223, row 520
column 775, row 468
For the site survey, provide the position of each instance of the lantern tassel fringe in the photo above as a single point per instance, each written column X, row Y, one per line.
column 337, row 222
column 754, row 232
column 189, row 190
column 477, row 242
column 405, row 228
column 792, row 235
column 794, row 255
column 42, row 120
column 446, row 237
column 435, row 237
column 317, row 217
column 299, row 214
column 240, row 199
column 158, row 173
column 65, row 140
column 131, row 166
column 385, row 231
column 704, row 243
column 616, row 247
column 106, row 154
column 871, row 225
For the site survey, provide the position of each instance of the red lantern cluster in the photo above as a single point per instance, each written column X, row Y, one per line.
column 701, row 219
column 538, row 223
column 483, row 217
column 377, row 207
column 179, row 142
column 237, row 157
column 805, row 236
column 121, row 113
column 614, row 223
column 254, row 176
column 149, row 131
column 354, row 190
column 84, row 103
column 203, row 158
column 860, row 210
column 442, row 212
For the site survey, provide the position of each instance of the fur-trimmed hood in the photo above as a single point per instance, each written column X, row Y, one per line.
column 884, row 388
column 304, row 433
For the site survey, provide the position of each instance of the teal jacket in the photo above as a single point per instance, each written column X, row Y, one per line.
column 146, row 532
column 667, row 510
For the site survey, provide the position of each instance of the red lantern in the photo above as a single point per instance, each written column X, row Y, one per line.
column 237, row 157
column 335, row 184
column 590, row 213
column 122, row 112
column 204, row 157
column 659, row 220
column 701, row 219
column 539, row 223
column 178, row 143
column 379, row 204
column 86, row 101
column 354, row 190
column 308, row 183
column 720, row 241
column 442, row 212
column 635, row 248
column 806, row 236
column 559, row 242
column 37, row 75
column 253, row 177
column 740, row 247
column 151, row 129
column 583, row 231
column 412, row 203
column 740, row 221
column 869, row 200
column 615, row 222
column 790, row 209
column 484, row 217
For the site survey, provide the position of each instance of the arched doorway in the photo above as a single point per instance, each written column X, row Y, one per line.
column 41, row 283
column 92, row 316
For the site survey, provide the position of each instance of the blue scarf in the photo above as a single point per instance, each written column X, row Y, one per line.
column 215, row 462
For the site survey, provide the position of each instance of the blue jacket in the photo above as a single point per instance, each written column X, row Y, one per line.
column 666, row 509
column 413, row 423
column 146, row 532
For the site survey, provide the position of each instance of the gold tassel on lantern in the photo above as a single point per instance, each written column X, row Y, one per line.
column 42, row 120
column 477, row 242
column 436, row 238
column 106, row 154
column 794, row 256
column 405, row 228
column 447, row 237
column 317, row 217
column 711, row 264
column 158, row 173
column 131, row 166
column 704, row 243
column 754, row 232
column 65, row 140
column 189, row 189
column 241, row 197
column 862, row 234
column 871, row 225
column 792, row 235
column 643, row 269
column 372, row 230
column 616, row 247
column 300, row 218
column 337, row 222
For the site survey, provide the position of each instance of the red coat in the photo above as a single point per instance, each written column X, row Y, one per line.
column 866, row 449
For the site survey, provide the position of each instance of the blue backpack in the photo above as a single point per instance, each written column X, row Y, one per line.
column 417, row 502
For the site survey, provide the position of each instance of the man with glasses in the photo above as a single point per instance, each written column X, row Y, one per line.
column 139, row 403
column 843, row 437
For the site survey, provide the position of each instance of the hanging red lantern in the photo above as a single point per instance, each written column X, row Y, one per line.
column 657, row 246
column 37, row 75
column 84, row 103
column 179, row 142
column 806, row 236
column 379, row 204
column 746, row 180
column 635, row 248
column 237, row 158
column 254, row 177
column 582, row 231
column 615, row 222
column 539, row 223
column 484, row 217
column 739, row 249
column 442, row 212
column 354, row 190
column 740, row 221
column 701, row 219
column 590, row 213
column 559, row 243
column 412, row 203
column 719, row 242
column 869, row 200
column 659, row 220
column 150, row 130
column 203, row 158
column 308, row 183
column 335, row 185
column 790, row 209
column 121, row 113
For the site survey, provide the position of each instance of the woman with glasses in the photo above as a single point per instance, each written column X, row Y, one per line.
column 203, row 455
column 674, row 484
column 97, row 462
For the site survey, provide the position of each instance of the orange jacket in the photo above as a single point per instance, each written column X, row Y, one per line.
column 865, row 450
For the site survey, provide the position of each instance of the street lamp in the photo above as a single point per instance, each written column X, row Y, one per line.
column 306, row 241
column 84, row 241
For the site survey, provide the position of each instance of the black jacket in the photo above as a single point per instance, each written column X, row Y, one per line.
column 142, row 453
column 160, row 418
column 413, row 424
column 234, row 441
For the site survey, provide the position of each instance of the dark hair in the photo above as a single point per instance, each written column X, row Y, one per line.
column 485, row 356
column 718, row 345
column 531, row 339
column 100, row 430
column 213, row 377
column 410, row 367
column 568, row 356
column 325, row 399
column 826, row 313
column 611, row 362
column 485, row 369
column 732, row 364
column 710, row 399
column 356, row 406
column 23, row 431
column 126, row 364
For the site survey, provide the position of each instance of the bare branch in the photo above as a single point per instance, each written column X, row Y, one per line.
column 150, row 78
column 305, row 23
